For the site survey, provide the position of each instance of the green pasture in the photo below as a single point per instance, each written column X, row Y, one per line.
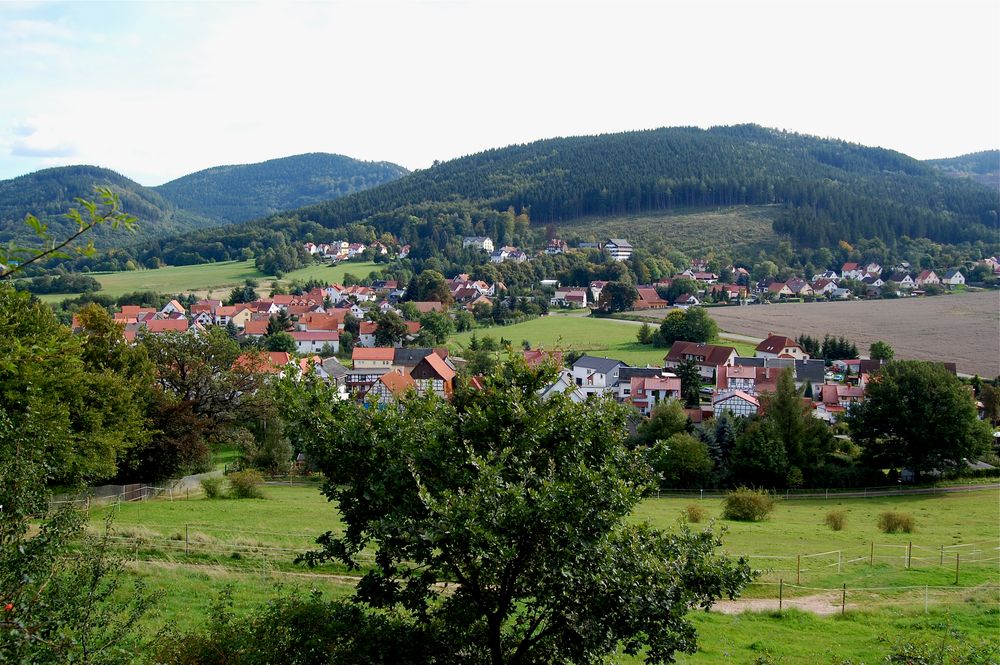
column 610, row 338
column 254, row 541
column 213, row 279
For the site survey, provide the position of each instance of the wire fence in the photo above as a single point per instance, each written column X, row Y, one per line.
column 830, row 493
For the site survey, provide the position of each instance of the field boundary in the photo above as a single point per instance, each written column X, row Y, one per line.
column 831, row 493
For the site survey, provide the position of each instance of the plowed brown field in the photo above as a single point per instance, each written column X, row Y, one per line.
column 962, row 328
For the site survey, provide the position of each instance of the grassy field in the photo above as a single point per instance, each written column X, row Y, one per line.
column 254, row 541
column 694, row 232
column 600, row 337
column 209, row 279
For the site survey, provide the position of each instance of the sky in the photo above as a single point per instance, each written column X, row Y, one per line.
column 158, row 90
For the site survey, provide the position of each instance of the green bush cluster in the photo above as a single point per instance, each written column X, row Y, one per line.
column 896, row 522
column 747, row 505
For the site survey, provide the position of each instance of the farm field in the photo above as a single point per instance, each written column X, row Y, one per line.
column 961, row 328
column 244, row 532
column 600, row 337
column 208, row 279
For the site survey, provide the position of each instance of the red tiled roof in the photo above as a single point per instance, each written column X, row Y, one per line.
column 776, row 344
column 167, row 325
column 378, row 353
column 440, row 366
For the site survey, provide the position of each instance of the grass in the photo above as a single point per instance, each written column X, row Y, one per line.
column 611, row 338
column 209, row 279
column 291, row 517
column 693, row 231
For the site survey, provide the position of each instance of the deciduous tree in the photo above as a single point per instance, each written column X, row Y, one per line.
column 522, row 502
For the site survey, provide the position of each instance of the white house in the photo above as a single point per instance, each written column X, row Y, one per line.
column 569, row 298
column 953, row 278
column 313, row 342
column 737, row 402
column 593, row 375
column 779, row 346
column 479, row 242
column 619, row 249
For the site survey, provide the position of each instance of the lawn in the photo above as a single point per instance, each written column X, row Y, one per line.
column 209, row 279
column 610, row 338
column 290, row 518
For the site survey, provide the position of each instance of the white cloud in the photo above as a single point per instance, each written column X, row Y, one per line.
column 166, row 89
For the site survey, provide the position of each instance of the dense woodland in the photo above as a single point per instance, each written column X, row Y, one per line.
column 833, row 200
column 248, row 191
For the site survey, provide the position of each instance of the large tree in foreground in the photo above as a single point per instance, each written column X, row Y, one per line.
column 501, row 519
column 917, row 414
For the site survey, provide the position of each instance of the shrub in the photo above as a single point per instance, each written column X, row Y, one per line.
column 747, row 505
column 246, row 484
column 893, row 522
column 836, row 519
column 212, row 486
column 694, row 513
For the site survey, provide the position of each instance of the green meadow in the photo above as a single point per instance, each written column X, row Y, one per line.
column 611, row 338
column 248, row 546
column 210, row 279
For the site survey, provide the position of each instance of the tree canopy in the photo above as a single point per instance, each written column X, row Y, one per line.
column 917, row 414
column 519, row 505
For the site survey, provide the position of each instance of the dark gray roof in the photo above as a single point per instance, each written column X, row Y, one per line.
column 812, row 371
column 620, row 242
column 410, row 357
column 333, row 367
column 602, row 365
column 625, row 374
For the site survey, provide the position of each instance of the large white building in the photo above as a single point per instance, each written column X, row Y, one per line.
column 479, row 242
column 619, row 249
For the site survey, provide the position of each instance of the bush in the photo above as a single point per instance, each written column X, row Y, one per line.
column 747, row 505
column 694, row 513
column 893, row 522
column 246, row 484
column 836, row 519
column 212, row 486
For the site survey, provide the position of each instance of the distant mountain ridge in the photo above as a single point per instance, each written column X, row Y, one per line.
column 213, row 197
column 983, row 166
column 242, row 192
column 50, row 193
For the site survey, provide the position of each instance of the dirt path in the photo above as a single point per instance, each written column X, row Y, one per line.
column 823, row 604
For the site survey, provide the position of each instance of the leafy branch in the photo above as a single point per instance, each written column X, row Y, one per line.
column 106, row 210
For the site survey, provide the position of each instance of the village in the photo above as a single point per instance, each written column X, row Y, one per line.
column 369, row 369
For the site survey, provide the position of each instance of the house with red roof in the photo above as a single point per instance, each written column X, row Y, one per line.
column 315, row 341
column 648, row 391
column 709, row 357
column 434, row 373
column 390, row 387
column 737, row 403
column 649, row 299
column 779, row 346
column 379, row 357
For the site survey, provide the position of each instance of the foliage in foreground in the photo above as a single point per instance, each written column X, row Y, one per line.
column 522, row 502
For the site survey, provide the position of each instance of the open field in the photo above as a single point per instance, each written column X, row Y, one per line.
column 961, row 328
column 208, row 279
column 611, row 338
column 691, row 231
column 288, row 519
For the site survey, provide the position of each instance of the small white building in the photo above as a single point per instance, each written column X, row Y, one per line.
column 313, row 342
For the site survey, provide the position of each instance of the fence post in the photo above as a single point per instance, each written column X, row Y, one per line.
column 186, row 541
column 701, row 494
column 871, row 557
column 925, row 599
column 909, row 555
column 843, row 600
column 840, row 560
column 798, row 569
column 958, row 557
column 942, row 555
column 781, row 594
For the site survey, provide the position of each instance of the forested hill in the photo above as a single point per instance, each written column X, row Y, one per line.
column 49, row 193
column 248, row 191
column 832, row 190
column 983, row 167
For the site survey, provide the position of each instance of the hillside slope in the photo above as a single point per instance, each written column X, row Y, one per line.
column 983, row 167
column 49, row 193
column 832, row 190
column 248, row 191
